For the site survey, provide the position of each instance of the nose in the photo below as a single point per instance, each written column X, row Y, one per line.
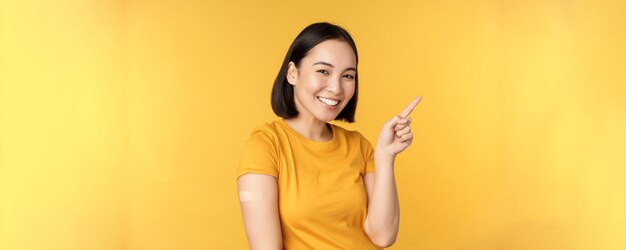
column 334, row 85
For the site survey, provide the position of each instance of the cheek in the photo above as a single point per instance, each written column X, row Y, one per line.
column 349, row 89
column 312, row 83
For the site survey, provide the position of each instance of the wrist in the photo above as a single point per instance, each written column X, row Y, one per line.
column 382, row 155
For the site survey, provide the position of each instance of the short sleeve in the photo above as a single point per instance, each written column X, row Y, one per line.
column 259, row 155
column 368, row 154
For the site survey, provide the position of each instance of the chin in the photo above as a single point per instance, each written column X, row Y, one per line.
column 326, row 118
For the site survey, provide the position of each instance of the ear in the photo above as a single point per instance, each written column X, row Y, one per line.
column 292, row 73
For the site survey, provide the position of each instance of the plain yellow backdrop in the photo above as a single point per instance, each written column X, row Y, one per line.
column 122, row 122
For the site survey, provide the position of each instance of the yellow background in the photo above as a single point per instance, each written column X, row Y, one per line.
column 122, row 122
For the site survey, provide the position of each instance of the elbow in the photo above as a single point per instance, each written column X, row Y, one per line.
column 382, row 238
column 384, row 242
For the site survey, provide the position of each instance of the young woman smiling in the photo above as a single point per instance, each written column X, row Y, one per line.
column 305, row 183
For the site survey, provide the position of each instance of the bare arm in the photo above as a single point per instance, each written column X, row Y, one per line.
column 258, row 195
column 383, row 215
column 383, row 212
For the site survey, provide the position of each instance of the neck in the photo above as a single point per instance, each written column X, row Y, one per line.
column 310, row 128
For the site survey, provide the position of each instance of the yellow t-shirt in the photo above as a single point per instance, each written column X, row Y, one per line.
column 321, row 195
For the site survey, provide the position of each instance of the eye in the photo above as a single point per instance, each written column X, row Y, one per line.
column 348, row 76
column 323, row 71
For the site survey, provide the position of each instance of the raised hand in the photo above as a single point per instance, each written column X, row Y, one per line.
column 396, row 134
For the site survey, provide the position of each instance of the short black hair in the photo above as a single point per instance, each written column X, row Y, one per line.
column 282, row 93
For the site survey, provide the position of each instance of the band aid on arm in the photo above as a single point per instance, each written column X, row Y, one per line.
column 245, row 196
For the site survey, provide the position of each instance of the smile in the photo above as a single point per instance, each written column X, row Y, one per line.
column 328, row 102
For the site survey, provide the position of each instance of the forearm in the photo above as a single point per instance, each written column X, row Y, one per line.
column 384, row 209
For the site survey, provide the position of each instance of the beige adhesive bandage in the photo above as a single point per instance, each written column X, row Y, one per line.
column 245, row 196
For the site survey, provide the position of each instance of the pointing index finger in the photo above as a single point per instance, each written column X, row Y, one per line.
column 411, row 106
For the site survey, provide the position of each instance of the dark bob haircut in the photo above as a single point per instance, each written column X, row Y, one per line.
column 283, row 102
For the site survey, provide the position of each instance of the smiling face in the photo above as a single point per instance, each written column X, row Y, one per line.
column 324, row 81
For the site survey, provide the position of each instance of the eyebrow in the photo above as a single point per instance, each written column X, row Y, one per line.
column 332, row 66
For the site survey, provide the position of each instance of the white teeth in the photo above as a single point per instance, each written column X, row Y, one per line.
column 328, row 102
